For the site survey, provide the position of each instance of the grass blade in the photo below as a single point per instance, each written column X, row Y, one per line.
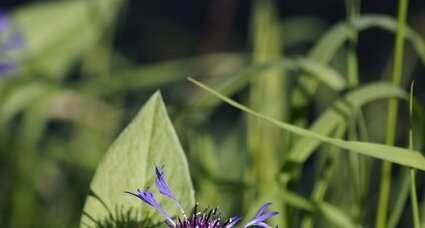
column 401, row 156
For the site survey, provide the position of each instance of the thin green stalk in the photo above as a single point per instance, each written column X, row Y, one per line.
column 381, row 215
column 413, row 196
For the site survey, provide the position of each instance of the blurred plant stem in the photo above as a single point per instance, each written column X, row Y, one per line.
column 381, row 215
column 267, row 95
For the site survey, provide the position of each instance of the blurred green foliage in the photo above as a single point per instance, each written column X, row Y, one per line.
column 75, row 92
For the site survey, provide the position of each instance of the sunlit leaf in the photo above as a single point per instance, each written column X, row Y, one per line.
column 128, row 164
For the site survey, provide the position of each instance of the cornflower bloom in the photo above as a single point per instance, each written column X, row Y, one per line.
column 206, row 219
column 11, row 43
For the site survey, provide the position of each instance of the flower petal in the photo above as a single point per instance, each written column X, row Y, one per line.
column 262, row 209
column 163, row 187
column 233, row 220
column 260, row 217
column 266, row 216
column 263, row 225
column 149, row 198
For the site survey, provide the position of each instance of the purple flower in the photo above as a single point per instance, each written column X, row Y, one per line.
column 209, row 218
column 11, row 43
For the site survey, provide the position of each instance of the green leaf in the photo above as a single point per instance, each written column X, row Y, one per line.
column 401, row 156
column 129, row 164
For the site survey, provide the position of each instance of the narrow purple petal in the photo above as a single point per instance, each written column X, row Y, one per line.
column 263, row 225
column 260, row 217
column 262, row 209
column 266, row 216
column 233, row 220
column 149, row 198
column 163, row 188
